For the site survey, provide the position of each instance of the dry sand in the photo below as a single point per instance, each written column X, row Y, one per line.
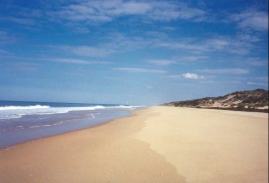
column 159, row 144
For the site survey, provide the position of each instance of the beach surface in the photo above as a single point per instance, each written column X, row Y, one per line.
column 158, row 144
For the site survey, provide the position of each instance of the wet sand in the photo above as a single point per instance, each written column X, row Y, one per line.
column 159, row 144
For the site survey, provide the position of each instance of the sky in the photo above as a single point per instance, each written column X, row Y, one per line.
column 133, row 52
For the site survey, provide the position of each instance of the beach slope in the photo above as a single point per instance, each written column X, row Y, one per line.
column 159, row 144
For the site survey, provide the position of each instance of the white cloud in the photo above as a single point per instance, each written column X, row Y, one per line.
column 140, row 70
column 257, row 61
column 103, row 11
column 150, row 87
column 169, row 11
column 118, row 42
column 256, row 20
column 192, row 76
column 248, row 38
column 161, row 62
column 123, row 42
column 186, row 76
column 6, row 38
column 259, row 81
column 191, row 58
column 130, row 8
column 25, row 21
column 258, row 84
column 28, row 67
column 75, row 61
column 225, row 71
column 87, row 51
column 228, row 44
column 262, row 78
column 218, row 43
column 3, row 52
column 90, row 51
column 233, row 45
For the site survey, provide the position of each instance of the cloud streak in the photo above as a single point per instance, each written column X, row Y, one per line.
column 161, row 62
column 257, row 61
column 257, row 84
column 75, row 61
column 234, row 45
column 192, row 76
column 87, row 51
column 105, row 11
column 6, row 38
column 187, row 75
column 256, row 20
column 139, row 70
column 24, row 21
column 225, row 71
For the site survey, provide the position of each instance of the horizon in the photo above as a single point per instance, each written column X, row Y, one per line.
column 57, row 102
column 125, row 104
column 137, row 52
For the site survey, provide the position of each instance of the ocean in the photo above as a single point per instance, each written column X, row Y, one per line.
column 22, row 121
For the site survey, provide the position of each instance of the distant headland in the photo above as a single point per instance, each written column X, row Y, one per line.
column 249, row 100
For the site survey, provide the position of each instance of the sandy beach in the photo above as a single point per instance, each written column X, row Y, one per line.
column 158, row 144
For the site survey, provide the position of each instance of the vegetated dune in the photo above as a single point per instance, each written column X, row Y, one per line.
column 251, row 100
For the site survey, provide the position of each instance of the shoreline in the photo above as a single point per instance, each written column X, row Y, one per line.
column 158, row 144
column 55, row 135
column 132, row 113
column 71, row 121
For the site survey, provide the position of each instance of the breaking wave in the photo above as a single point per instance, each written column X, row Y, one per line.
column 10, row 112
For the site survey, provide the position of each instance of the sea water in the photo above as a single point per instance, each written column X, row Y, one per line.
column 22, row 121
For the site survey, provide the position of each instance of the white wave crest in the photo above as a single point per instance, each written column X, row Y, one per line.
column 11, row 112
column 24, row 107
column 127, row 107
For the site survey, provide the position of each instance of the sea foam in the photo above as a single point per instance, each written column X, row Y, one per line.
column 11, row 112
column 23, row 107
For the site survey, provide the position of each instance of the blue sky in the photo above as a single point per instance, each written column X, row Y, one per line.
column 136, row 52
